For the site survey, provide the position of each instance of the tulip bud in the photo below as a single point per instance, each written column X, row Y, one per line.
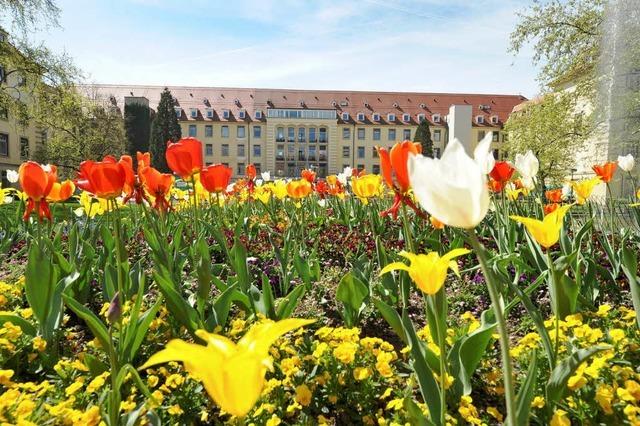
column 115, row 309
column 626, row 162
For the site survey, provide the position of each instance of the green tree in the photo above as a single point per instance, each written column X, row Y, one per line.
column 549, row 127
column 137, row 122
column 423, row 135
column 164, row 128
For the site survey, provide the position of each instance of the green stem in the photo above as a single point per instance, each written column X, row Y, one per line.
column 556, row 303
column 507, row 368
column 442, row 331
column 611, row 217
column 114, row 409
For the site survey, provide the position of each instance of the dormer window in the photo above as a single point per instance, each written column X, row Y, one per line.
column 375, row 116
column 421, row 118
column 406, row 118
column 241, row 114
column 361, row 116
column 345, row 116
column 436, row 118
column 480, row 119
column 209, row 113
column 193, row 112
column 494, row 119
column 226, row 113
column 391, row 118
column 178, row 111
column 258, row 115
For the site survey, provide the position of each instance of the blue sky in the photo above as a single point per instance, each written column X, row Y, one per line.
column 408, row 45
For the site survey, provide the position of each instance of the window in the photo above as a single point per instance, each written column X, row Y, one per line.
column 280, row 152
column 494, row 119
column 374, row 152
column 346, row 151
column 346, row 133
column 376, row 169
column 391, row 134
column 361, row 116
column 241, row 169
column 224, row 131
column 437, row 134
column 312, row 134
column 209, row 113
column 436, row 152
column 375, row 116
column 345, row 116
column 360, row 167
column 361, row 133
column 4, row 144
column 421, row 118
column 257, row 132
column 391, row 118
column 435, row 118
column 241, row 150
column 280, row 134
column 194, row 113
column 406, row 134
column 178, row 111
column 480, row 119
column 495, row 137
column 258, row 167
column 406, row 118
column 312, row 153
column 242, row 114
column 226, row 113
column 496, row 154
column 241, row 132
column 481, row 134
column 291, row 134
column 322, row 135
column 302, row 134
column 258, row 115
column 225, row 150
column 361, row 152
column 376, row 134
column 257, row 151
column 208, row 149
column 193, row 130
column 24, row 148
column 208, row 131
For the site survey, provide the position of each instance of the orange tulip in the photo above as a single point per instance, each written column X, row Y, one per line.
column 107, row 178
column 496, row 185
column 436, row 223
column 550, row 208
column 554, row 195
column 184, row 157
column 251, row 172
column 61, row 191
column 606, row 170
column 158, row 185
column 395, row 163
column 309, row 175
column 216, row 178
column 143, row 159
column 502, row 172
column 299, row 188
column 36, row 182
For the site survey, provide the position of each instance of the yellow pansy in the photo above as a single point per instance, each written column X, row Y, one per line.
column 428, row 271
column 232, row 374
column 560, row 418
column 547, row 231
column 584, row 188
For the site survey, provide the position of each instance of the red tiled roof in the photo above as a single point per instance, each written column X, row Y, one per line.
column 353, row 102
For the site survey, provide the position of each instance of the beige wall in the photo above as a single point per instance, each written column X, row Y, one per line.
column 11, row 129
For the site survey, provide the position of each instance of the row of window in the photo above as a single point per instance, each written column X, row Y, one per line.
column 240, row 150
column 226, row 113
column 301, row 153
column 315, row 135
column 241, row 131
column 391, row 117
column 241, row 168
column 495, row 137
column 361, row 150
column 4, row 146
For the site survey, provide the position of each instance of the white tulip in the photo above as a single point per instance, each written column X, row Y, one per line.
column 12, row 176
column 483, row 155
column 625, row 162
column 527, row 165
column 266, row 176
column 453, row 188
column 258, row 182
column 322, row 203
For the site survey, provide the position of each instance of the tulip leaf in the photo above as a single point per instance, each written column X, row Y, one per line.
column 352, row 292
column 184, row 313
column 287, row 304
column 526, row 392
column 630, row 269
column 26, row 327
column 96, row 326
column 392, row 317
column 221, row 307
column 557, row 384
column 415, row 415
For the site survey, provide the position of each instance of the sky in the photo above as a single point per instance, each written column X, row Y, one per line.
column 384, row 45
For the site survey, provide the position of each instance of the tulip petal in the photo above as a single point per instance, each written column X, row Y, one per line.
column 395, row 266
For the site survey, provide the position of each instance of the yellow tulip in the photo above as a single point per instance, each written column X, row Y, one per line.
column 232, row 374
column 428, row 271
column 262, row 193
column 547, row 231
column 299, row 188
column 366, row 186
column 584, row 188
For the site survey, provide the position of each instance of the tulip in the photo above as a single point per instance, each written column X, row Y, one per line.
column 527, row 165
column 554, row 195
column 61, row 191
column 626, row 162
column 216, row 178
column 428, row 271
column 502, row 173
column 584, row 188
column 36, row 182
column 366, row 186
column 550, row 208
column 547, row 231
column 12, row 176
column 309, row 175
column 483, row 155
column 104, row 179
column 266, row 176
column 251, row 172
column 605, row 171
column 158, row 185
column 143, row 159
column 299, row 188
column 436, row 223
column 394, row 164
column 185, row 157
column 232, row 374
column 452, row 188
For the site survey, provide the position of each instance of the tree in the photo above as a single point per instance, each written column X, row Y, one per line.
column 164, row 128
column 423, row 135
column 137, row 126
column 549, row 127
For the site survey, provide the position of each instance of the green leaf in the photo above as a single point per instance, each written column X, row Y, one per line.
column 415, row 415
column 98, row 329
column 239, row 256
column 179, row 308
column 630, row 269
column 25, row 326
column 526, row 392
column 288, row 304
column 95, row 366
column 221, row 307
column 352, row 292
column 557, row 384
column 392, row 317
column 40, row 279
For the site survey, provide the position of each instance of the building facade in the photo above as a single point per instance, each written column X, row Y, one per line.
column 286, row 131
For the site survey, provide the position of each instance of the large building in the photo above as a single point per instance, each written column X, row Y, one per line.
column 285, row 131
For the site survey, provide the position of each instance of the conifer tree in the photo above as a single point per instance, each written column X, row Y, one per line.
column 423, row 135
column 164, row 128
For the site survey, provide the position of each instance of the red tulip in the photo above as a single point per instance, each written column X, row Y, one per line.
column 502, row 172
column 216, row 178
column 251, row 172
column 185, row 157
column 550, row 208
column 36, row 182
column 606, row 170
column 309, row 175
column 394, row 163
column 554, row 195
column 143, row 159
column 158, row 185
column 107, row 178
